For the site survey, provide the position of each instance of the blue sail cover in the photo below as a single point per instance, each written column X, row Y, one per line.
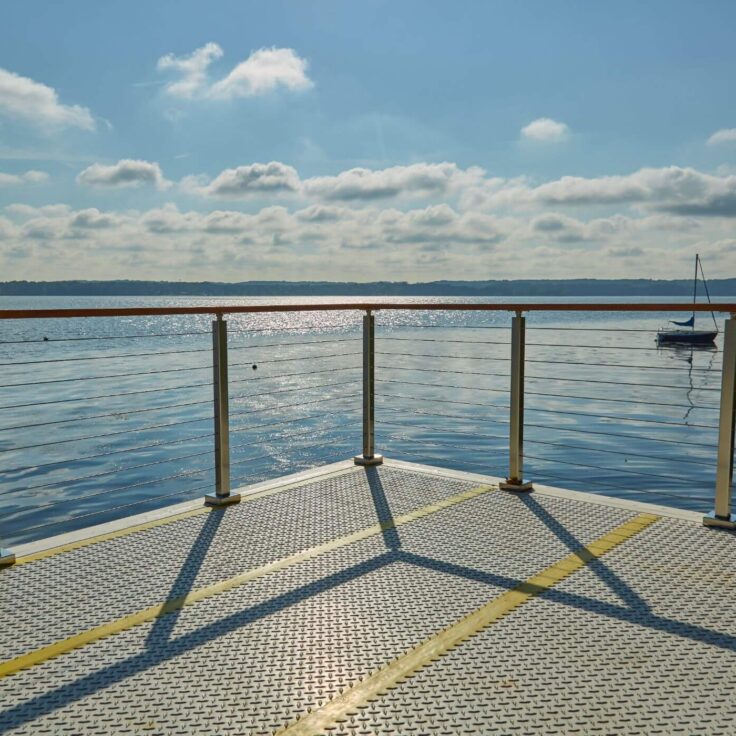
column 688, row 323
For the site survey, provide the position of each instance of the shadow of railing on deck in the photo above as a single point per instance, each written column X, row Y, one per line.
column 164, row 624
column 383, row 511
column 161, row 648
column 603, row 571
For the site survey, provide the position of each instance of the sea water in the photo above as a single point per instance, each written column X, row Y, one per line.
column 105, row 417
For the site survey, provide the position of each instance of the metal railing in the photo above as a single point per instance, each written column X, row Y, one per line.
column 445, row 398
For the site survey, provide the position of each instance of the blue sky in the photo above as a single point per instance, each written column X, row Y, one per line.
column 590, row 139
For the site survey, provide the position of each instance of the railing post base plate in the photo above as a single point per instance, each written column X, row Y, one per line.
column 212, row 499
column 516, row 485
column 363, row 460
column 712, row 520
column 6, row 558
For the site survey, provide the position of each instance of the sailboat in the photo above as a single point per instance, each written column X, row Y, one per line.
column 690, row 336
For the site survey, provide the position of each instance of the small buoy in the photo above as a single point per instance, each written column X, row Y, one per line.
column 255, row 367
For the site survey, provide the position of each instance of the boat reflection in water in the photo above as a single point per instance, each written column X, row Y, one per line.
column 685, row 352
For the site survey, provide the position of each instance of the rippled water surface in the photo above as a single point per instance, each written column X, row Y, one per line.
column 104, row 417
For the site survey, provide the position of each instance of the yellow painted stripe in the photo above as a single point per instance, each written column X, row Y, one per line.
column 53, row 551
column 38, row 656
column 350, row 701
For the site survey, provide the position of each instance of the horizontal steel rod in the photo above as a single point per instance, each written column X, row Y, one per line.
column 729, row 307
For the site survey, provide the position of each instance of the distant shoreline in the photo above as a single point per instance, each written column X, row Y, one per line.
column 525, row 287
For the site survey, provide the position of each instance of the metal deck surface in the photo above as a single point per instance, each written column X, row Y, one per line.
column 388, row 600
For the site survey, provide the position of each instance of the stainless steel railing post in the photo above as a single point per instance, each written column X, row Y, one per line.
column 6, row 557
column 369, row 456
column 222, row 495
column 721, row 514
column 515, row 480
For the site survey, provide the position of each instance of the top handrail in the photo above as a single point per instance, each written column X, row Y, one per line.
column 366, row 306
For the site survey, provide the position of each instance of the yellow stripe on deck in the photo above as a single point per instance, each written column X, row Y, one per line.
column 43, row 654
column 88, row 541
column 408, row 664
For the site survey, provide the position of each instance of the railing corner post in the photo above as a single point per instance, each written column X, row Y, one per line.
column 722, row 515
column 515, row 480
column 369, row 457
column 222, row 495
column 7, row 558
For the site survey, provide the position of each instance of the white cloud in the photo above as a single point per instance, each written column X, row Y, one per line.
column 263, row 71
column 558, row 228
column 321, row 213
column 168, row 219
column 92, row 218
column 414, row 180
column 602, row 190
column 43, row 228
column 246, row 181
column 24, row 99
column 35, row 177
column 29, row 177
column 7, row 229
column 682, row 191
column 672, row 189
column 227, row 222
column 545, row 130
column 125, row 173
column 625, row 252
column 26, row 211
column 439, row 225
column 353, row 185
column 726, row 135
column 192, row 68
column 60, row 222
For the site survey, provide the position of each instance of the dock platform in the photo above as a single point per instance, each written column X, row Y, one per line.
column 397, row 599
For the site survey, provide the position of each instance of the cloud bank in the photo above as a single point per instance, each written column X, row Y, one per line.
column 672, row 189
column 324, row 240
column 358, row 185
column 427, row 221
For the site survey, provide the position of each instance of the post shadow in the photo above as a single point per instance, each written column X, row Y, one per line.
column 383, row 510
column 637, row 614
column 164, row 625
column 604, row 573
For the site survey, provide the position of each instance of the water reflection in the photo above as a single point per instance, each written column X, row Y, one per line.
column 607, row 410
column 685, row 354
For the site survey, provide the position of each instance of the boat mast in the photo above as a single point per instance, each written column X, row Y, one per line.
column 695, row 289
column 707, row 293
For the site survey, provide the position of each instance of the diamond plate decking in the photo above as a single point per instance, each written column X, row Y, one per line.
column 399, row 599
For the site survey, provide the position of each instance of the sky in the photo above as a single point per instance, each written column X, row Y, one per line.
column 360, row 141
